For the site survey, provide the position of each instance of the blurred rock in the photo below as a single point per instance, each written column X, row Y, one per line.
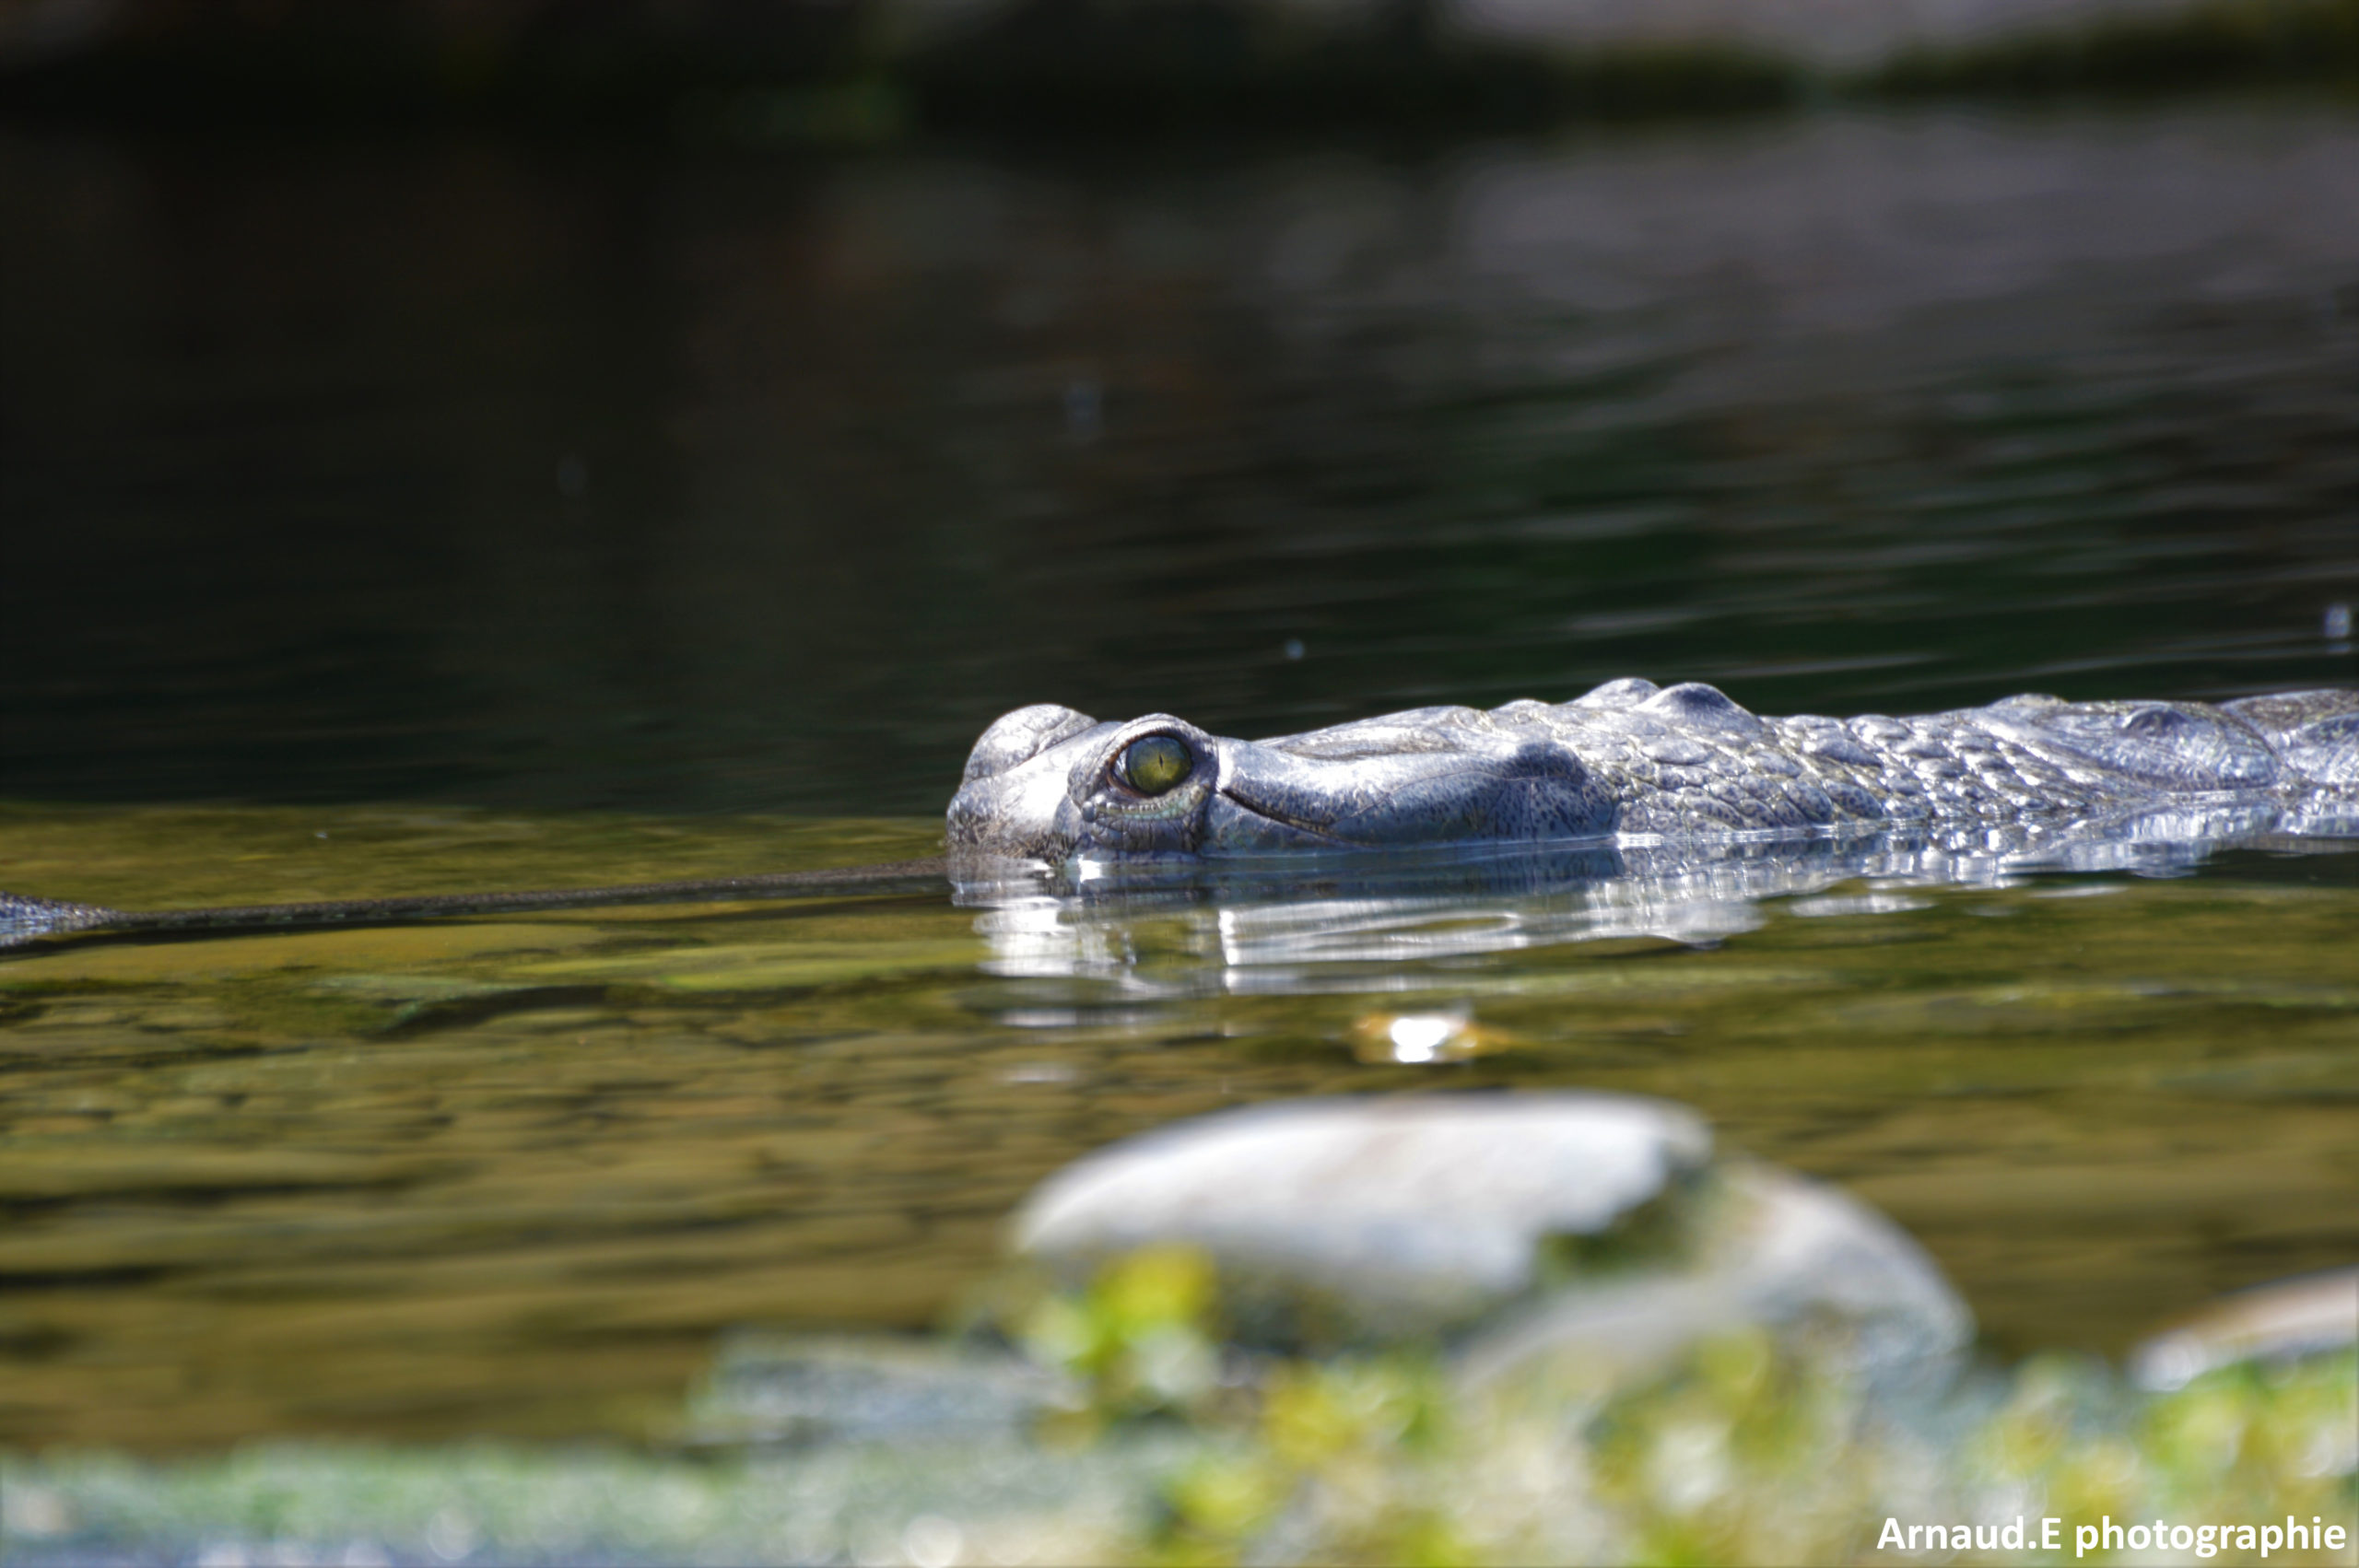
column 1356, row 1219
column 1771, row 1250
column 1565, row 1231
column 2313, row 1315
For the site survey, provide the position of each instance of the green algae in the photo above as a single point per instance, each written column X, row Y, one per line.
column 1745, row 1454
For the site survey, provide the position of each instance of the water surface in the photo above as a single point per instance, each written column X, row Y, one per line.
column 401, row 516
column 517, row 1176
column 562, row 477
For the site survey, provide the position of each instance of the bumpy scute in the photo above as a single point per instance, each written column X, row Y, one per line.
column 1634, row 759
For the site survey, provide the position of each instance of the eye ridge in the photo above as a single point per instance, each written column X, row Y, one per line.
column 1154, row 765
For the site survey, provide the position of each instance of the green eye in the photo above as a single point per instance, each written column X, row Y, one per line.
column 1154, row 765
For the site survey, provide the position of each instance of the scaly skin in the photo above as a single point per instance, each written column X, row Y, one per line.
column 1627, row 766
column 1630, row 761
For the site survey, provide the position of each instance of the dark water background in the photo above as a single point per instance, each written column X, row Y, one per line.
column 563, row 477
column 502, row 514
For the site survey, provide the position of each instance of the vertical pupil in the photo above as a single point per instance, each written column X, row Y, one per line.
column 1155, row 765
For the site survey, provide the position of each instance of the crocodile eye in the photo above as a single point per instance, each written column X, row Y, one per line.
column 1154, row 765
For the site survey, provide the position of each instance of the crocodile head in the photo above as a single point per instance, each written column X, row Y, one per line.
column 1048, row 783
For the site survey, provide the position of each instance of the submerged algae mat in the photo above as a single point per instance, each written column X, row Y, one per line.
column 493, row 1175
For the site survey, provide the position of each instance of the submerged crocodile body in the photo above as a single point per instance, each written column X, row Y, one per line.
column 1648, row 786
column 1632, row 761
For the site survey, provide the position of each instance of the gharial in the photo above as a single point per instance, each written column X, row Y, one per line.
column 1629, row 762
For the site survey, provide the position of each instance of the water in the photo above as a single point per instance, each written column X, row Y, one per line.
column 557, row 478
column 516, row 1175
column 399, row 518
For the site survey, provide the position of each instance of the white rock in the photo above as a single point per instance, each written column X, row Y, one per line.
column 1396, row 1216
column 1774, row 1251
column 2313, row 1315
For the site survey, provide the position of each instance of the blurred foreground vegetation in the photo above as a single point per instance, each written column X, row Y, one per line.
column 1171, row 1449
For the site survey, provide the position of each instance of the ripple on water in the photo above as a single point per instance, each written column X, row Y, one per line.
column 518, row 1174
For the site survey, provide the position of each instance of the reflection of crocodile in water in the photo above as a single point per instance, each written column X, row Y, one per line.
column 1627, row 766
column 1637, row 763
